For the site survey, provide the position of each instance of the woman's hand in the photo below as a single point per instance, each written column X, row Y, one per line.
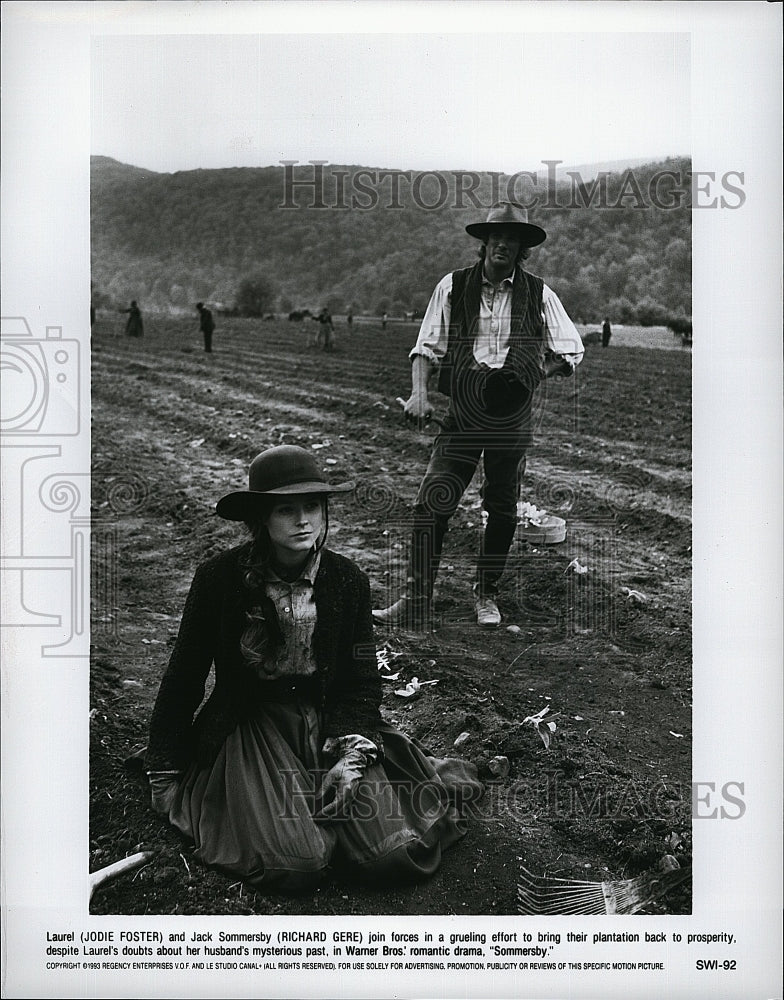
column 339, row 786
column 163, row 788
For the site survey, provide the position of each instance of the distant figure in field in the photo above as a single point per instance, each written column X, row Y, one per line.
column 134, row 327
column 606, row 332
column 383, row 321
column 350, row 320
column 326, row 332
column 206, row 325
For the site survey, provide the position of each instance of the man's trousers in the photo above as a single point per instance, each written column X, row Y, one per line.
column 453, row 462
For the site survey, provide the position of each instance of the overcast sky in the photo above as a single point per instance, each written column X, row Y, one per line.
column 172, row 102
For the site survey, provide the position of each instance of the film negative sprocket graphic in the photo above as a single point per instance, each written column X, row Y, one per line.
column 44, row 568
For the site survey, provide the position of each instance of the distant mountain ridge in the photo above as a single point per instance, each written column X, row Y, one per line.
column 586, row 170
column 374, row 240
column 590, row 170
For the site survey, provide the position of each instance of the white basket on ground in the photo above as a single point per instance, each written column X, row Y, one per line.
column 538, row 527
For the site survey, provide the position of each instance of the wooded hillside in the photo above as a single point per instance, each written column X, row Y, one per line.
column 620, row 248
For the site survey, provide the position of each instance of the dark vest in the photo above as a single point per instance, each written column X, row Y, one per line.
column 524, row 365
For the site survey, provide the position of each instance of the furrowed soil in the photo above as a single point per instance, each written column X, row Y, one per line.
column 607, row 651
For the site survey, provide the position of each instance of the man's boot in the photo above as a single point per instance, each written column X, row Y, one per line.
column 487, row 613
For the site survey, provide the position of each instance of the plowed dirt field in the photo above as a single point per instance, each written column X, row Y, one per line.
column 607, row 650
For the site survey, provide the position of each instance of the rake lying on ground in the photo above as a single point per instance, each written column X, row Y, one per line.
column 551, row 896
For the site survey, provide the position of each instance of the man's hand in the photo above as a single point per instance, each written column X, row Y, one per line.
column 417, row 409
column 339, row 786
column 558, row 365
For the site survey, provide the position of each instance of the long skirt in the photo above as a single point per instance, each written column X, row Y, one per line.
column 251, row 814
column 134, row 327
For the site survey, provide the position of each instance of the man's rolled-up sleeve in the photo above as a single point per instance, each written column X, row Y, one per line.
column 560, row 332
column 434, row 331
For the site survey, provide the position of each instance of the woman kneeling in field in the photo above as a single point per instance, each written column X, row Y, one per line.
column 289, row 765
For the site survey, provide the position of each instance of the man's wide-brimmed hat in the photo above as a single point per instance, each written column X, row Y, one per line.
column 507, row 215
column 283, row 471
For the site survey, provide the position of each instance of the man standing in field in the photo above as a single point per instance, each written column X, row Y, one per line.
column 325, row 336
column 493, row 331
column 206, row 325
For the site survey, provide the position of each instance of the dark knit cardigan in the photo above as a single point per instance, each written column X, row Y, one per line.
column 347, row 684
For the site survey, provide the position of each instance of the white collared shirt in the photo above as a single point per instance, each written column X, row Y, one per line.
column 491, row 344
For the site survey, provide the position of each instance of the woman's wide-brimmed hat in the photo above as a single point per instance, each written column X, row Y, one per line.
column 508, row 215
column 283, row 471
